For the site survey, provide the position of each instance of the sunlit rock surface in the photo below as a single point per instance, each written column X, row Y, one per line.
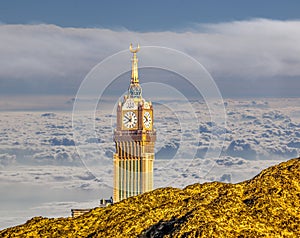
column 265, row 206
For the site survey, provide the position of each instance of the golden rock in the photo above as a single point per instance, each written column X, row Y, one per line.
column 267, row 205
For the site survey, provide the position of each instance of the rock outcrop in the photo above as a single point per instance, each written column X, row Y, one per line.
column 266, row 206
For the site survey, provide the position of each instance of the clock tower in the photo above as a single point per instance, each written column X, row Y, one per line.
column 134, row 140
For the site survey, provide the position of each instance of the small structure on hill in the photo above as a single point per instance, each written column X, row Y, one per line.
column 80, row 211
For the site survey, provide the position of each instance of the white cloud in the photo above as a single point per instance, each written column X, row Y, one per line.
column 256, row 129
column 7, row 160
column 55, row 59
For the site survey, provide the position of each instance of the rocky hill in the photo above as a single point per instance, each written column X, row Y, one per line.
column 266, row 206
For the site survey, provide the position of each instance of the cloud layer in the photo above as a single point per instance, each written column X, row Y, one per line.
column 50, row 59
column 42, row 173
column 256, row 129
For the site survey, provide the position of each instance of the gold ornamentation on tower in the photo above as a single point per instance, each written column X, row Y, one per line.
column 134, row 67
column 134, row 140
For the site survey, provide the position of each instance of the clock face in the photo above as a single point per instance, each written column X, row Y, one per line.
column 129, row 120
column 147, row 119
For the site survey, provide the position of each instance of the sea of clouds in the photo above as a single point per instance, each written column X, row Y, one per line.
column 42, row 172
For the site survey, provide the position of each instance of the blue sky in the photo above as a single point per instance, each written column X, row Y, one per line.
column 143, row 15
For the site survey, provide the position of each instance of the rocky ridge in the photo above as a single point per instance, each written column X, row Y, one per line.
column 267, row 205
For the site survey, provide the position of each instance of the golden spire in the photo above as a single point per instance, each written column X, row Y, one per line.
column 134, row 68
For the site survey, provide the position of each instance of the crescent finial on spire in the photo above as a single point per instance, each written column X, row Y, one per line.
column 134, row 67
column 134, row 50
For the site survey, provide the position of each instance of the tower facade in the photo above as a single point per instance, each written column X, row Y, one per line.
column 134, row 139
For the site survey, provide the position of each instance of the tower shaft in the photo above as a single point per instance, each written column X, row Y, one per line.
column 133, row 169
column 134, row 140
